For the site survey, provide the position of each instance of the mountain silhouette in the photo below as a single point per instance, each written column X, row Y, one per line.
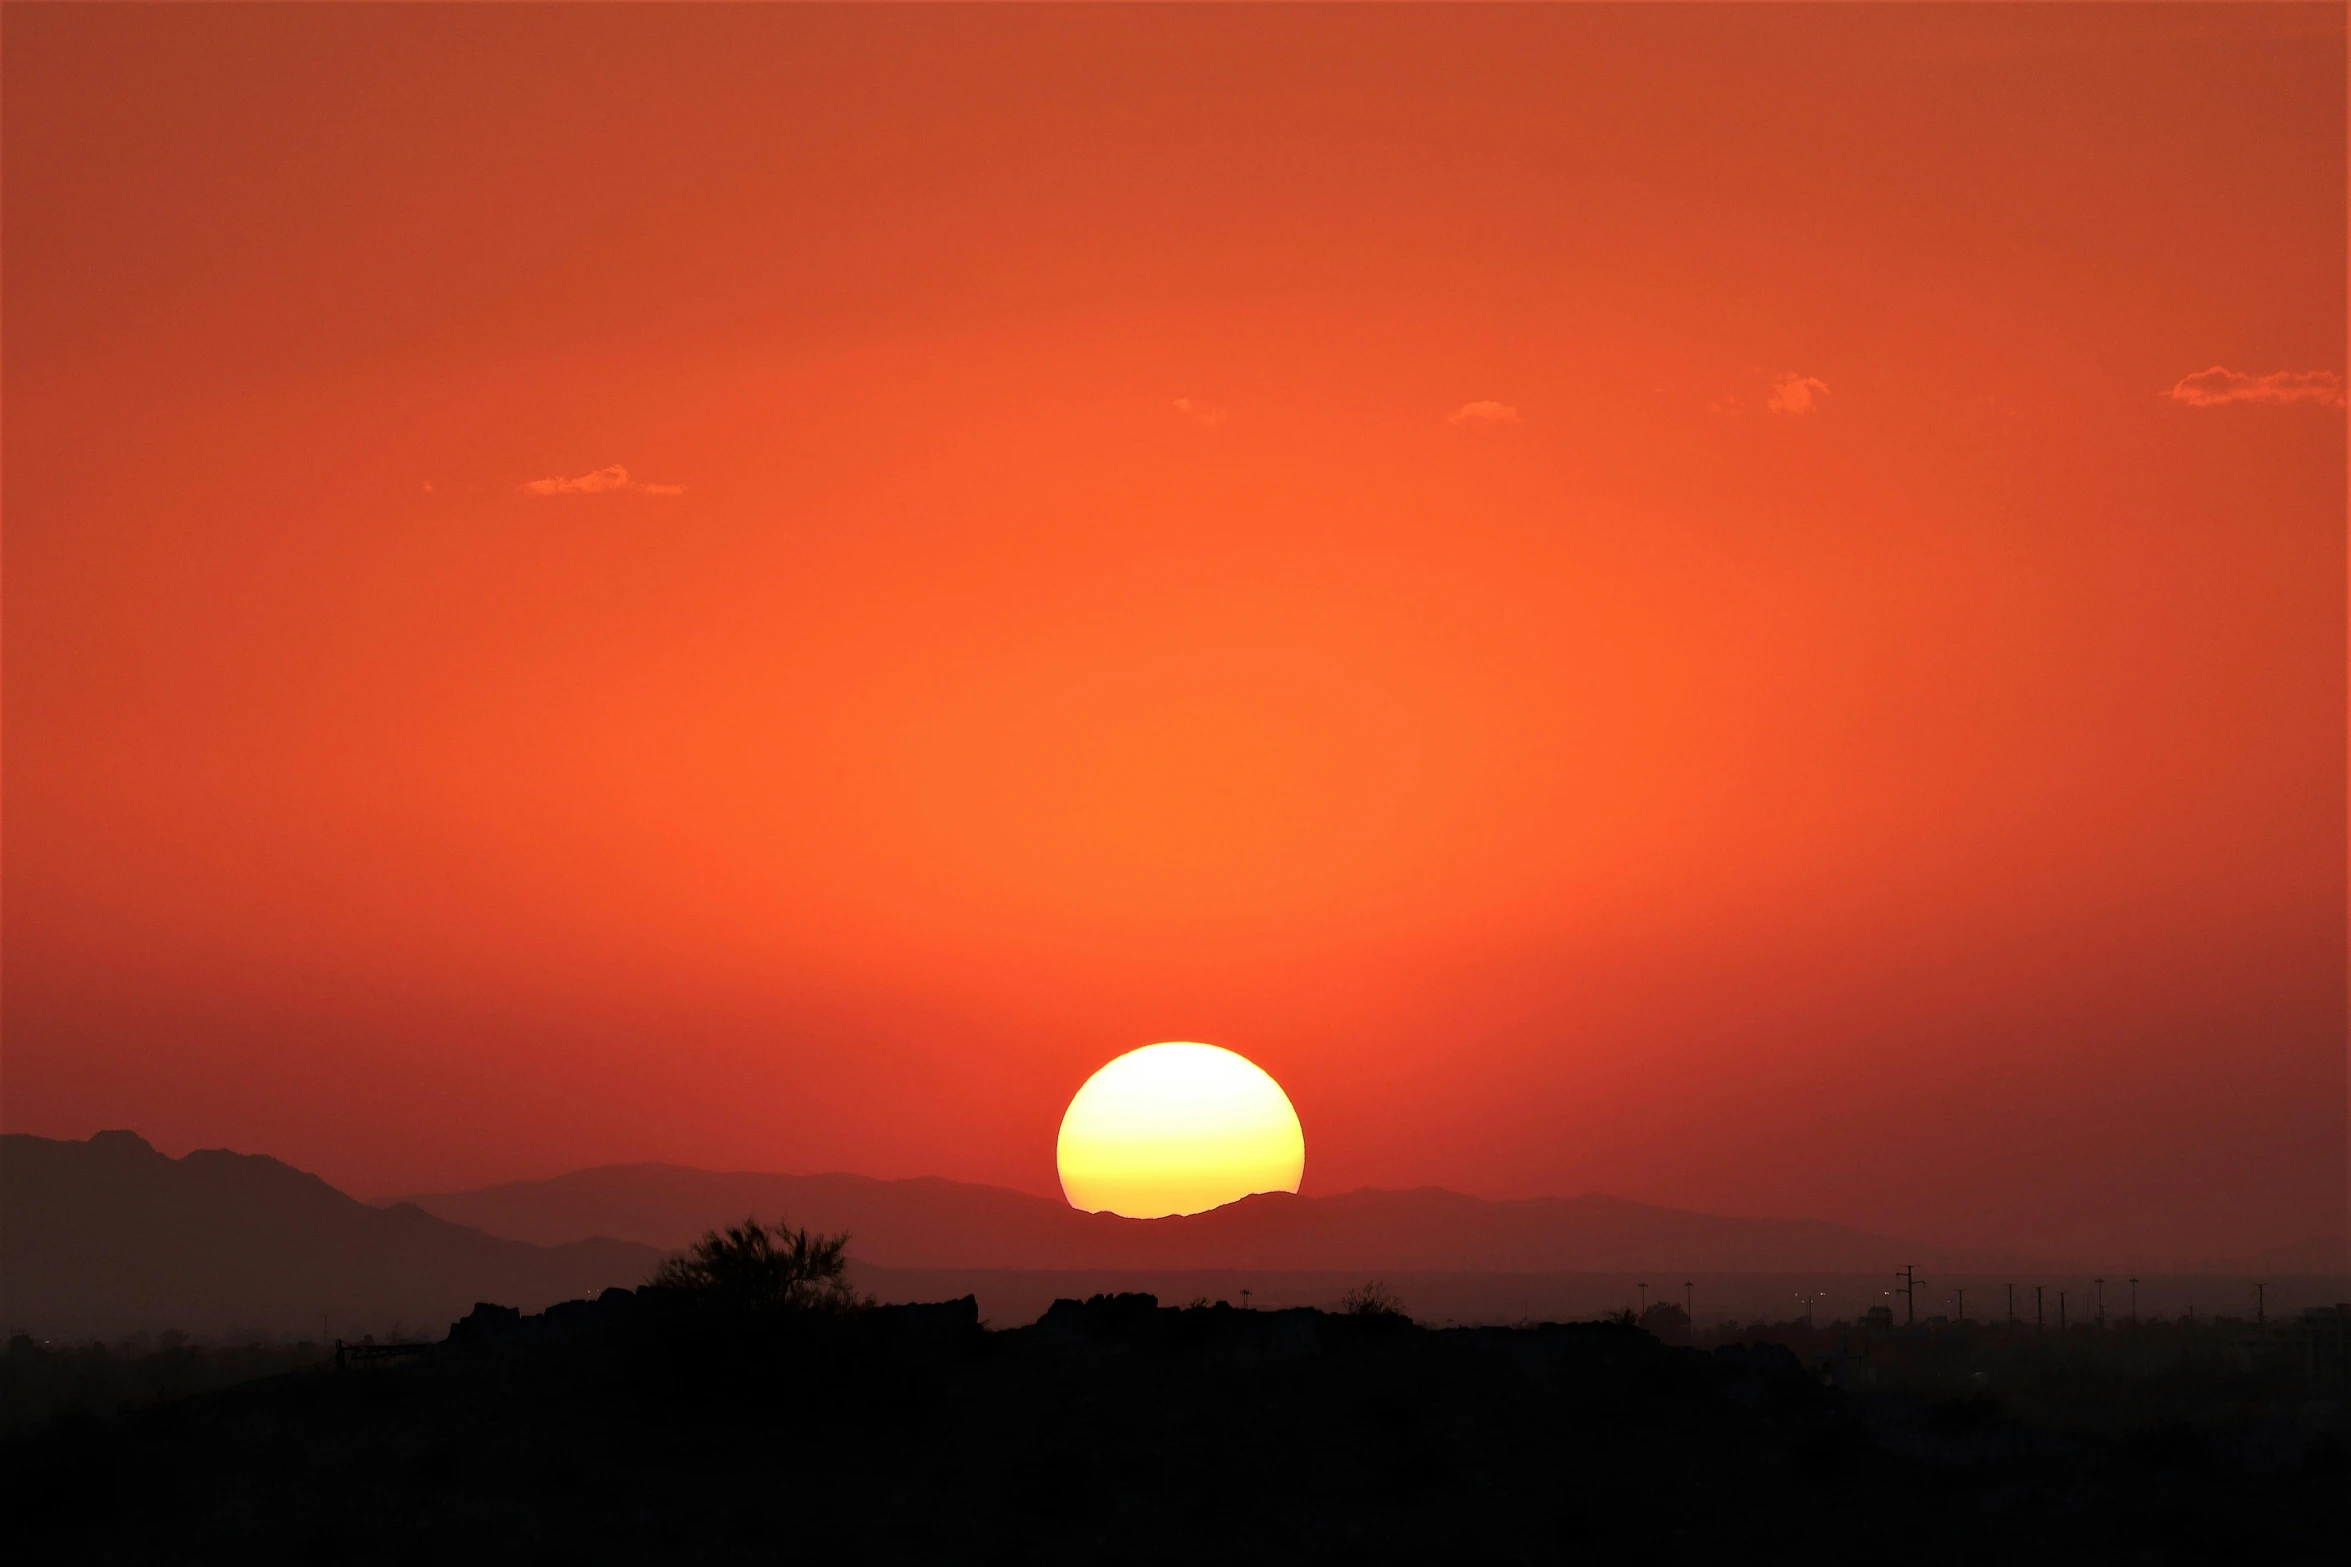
column 934, row 1223
column 110, row 1236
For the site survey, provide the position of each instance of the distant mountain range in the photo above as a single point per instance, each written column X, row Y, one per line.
column 109, row 1236
column 933, row 1223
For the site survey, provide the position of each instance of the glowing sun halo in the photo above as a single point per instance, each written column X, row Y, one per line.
column 1178, row 1128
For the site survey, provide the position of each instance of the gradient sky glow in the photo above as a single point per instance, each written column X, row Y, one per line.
column 1742, row 607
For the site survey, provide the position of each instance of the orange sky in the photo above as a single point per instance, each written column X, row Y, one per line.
column 1919, row 803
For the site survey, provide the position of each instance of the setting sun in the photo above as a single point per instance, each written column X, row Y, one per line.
column 1178, row 1128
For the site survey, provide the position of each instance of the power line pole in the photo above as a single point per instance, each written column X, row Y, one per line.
column 2260, row 1308
column 2134, row 1302
column 2101, row 1283
column 1690, row 1307
column 1909, row 1277
column 1959, row 1306
column 2061, row 1313
column 2012, row 1308
column 2040, row 1324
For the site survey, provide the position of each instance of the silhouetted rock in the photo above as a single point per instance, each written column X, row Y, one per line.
column 486, row 1326
column 1100, row 1322
column 946, row 1321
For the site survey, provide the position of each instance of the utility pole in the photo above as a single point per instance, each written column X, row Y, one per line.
column 1909, row 1277
column 2134, row 1302
column 2061, row 1313
column 1690, row 1307
column 2012, row 1308
column 2039, row 1324
column 2101, row 1283
column 2260, row 1308
column 1959, row 1305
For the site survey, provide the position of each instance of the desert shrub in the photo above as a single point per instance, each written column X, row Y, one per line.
column 1372, row 1298
column 749, row 1267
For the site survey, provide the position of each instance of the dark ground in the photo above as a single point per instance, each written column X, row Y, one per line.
column 1116, row 1432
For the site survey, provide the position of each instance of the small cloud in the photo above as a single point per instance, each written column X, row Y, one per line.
column 1483, row 413
column 604, row 481
column 2211, row 388
column 1199, row 413
column 1726, row 405
column 1796, row 394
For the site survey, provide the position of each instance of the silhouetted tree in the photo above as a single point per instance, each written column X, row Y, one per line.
column 750, row 1268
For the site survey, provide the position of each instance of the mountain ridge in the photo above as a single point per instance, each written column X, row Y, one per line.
column 933, row 1222
column 109, row 1235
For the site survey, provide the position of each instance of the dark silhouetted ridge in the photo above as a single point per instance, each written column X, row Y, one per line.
column 110, row 1236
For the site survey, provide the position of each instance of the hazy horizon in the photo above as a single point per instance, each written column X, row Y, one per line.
column 2329, row 1256
column 112, row 1236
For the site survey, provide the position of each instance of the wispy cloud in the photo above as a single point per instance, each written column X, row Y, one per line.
column 604, row 481
column 1483, row 413
column 1796, row 394
column 2218, row 385
column 1199, row 413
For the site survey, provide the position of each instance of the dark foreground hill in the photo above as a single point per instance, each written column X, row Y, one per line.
column 109, row 1236
column 932, row 1223
column 627, row 1430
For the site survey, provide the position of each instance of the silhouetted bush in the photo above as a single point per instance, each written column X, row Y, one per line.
column 748, row 1267
column 1371, row 1299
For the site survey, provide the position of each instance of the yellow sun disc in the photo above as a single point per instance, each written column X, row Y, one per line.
column 1178, row 1128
